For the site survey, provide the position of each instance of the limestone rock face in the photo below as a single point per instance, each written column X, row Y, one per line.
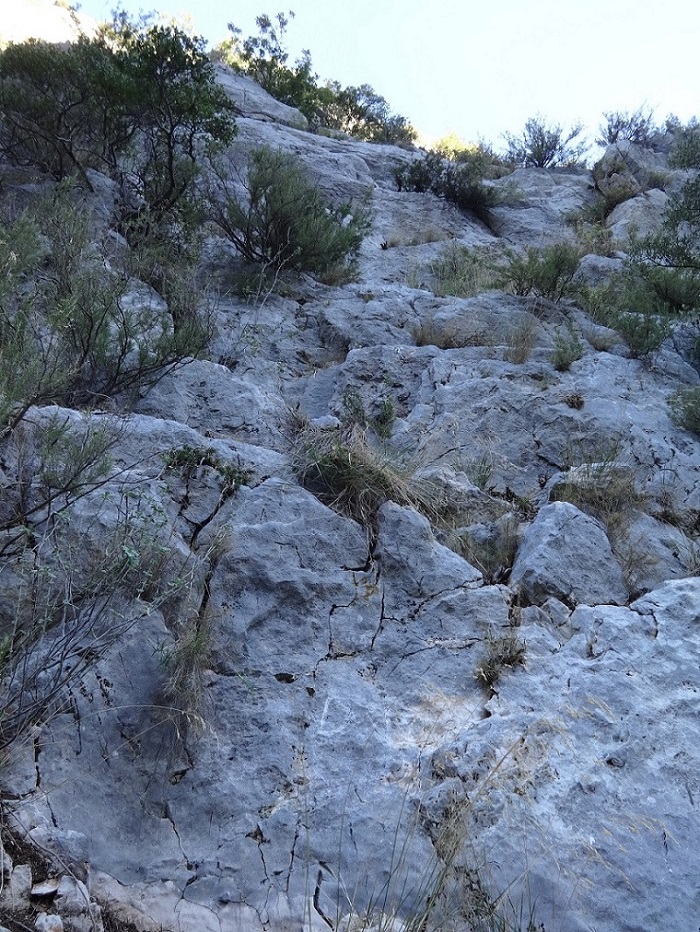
column 307, row 722
column 566, row 554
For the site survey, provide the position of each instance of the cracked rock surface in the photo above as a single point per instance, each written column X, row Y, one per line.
column 345, row 740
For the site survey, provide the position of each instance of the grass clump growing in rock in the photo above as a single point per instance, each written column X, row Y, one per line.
column 604, row 488
column 685, row 409
column 567, row 349
column 345, row 471
column 281, row 219
column 503, row 653
column 462, row 272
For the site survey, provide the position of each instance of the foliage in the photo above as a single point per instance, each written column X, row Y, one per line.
column 460, row 182
column 354, row 413
column 521, row 340
column 138, row 101
column 282, row 219
column 643, row 333
column 358, row 111
column 504, row 653
column 462, row 272
column 603, row 487
column 544, row 273
column 71, row 330
column 542, row 145
column 493, row 553
column 567, row 349
column 686, row 145
column 190, row 459
column 627, row 304
column 636, row 127
column 363, row 113
column 685, row 408
column 348, row 473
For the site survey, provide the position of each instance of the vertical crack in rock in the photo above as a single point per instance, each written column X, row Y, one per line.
column 259, row 838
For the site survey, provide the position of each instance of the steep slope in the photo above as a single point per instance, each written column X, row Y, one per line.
column 487, row 700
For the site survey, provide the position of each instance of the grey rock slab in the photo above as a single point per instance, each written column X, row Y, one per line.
column 253, row 102
column 641, row 215
column 538, row 202
column 566, row 554
column 589, row 760
column 212, row 400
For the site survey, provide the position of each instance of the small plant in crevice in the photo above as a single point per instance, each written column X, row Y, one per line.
column 354, row 413
column 568, row 348
column 603, row 487
column 685, row 409
column 502, row 654
column 190, row 459
column 522, row 340
column 491, row 550
column 345, row 471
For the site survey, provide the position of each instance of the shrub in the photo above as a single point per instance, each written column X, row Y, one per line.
column 70, row 332
column 643, row 333
column 460, row 182
column 669, row 261
column 546, row 146
column 636, row 127
column 462, row 272
column 567, row 349
column 685, row 409
column 363, row 113
column 544, row 273
column 358, row 111
column 283, row 220
column 138, row 101
column 686, row 147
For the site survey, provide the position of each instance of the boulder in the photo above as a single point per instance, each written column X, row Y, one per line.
column 565, row 554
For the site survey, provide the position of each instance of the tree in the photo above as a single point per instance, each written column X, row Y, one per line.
column 358, row 111
column 544, row 146
column 137, row 101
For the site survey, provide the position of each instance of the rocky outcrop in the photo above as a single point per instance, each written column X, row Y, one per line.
column 337, row 748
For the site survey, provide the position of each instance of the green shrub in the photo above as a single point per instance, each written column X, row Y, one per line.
column 685, row 409
column 358, row 111
column 138, row 101
column 544, row 273
column 546, row 146
column 686, row 145
column 462, row 272
column 69, row 331
column 567, row 349
column 460, row 182
column 283, row 220
column 636, row 127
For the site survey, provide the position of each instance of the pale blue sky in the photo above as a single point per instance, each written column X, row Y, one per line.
column 482, row 68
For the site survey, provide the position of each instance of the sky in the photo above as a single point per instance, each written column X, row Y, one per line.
column 477, row 68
